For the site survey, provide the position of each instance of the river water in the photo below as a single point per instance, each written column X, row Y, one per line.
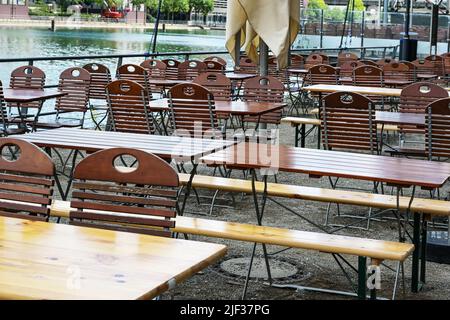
column 36, row 42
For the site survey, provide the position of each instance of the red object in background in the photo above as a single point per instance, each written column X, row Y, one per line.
column 112, row 13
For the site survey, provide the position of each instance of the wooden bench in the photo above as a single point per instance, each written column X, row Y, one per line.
column 300, row 124
column 381, row 201
column 376, row 250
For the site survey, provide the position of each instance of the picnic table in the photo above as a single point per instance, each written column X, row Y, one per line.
column 397, row 172
column 43, row 260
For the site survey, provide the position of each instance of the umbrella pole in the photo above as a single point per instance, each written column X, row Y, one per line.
column 237, row 49
column 263, row 66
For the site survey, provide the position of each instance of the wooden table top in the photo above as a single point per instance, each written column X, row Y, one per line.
column 29, row 95
column 299, row 71
column 41, row 260
column 167, row 147
column 318, row 163
column 398, row 118
column 237, row 107
column 426, row 76
column 239, row 76
column 329, row 88
column 387, row 82
column 167, row 82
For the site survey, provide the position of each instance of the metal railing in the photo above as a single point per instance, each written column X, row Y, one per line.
column 381, row 52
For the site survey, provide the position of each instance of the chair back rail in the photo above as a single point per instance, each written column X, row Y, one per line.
column 76, row 83
column 129, row 107
column 396, row 71
column 26, row 180
column 264, row 89
column 28, row 77
column 382, row 62
column 189, row 69
column 344, row 57
column 369, row 76
column 156, row 69
column 446, row 57
column 246, row 65
column 142, row 199
column 3, row 112
column 438, row 63
column 216, row 59
column 412, row 70
column 297, row 61
column 322, row 74
column 172, row 68
column 214, row 66
column 100, row 78
column 437, row 132
column 192, row 111
column 415, row 98
column 349, row 122
column 346, row 68
column 314, row 59
column 424, row 67
column 218, row 84
column 369, row 63
column 137, row 74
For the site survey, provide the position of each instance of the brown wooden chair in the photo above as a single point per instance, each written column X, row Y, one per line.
column 129, row 107
column 396, row 71
column 344, row 57
column 370, row 76
column 140, row 199
column 192, row 111
column 189, row 69
column 438, row 63
column 314, row 59
column 137, row 74
column 156, row 69
column 218, row 84
column 446, row 57
column 412, row 70
column 6, row 125
column 26, row 179
column 322, row 74
column 437, row 132
column 100, row 78
column 297, row 61
column 216, row 59
column 76, row 83
column 414, row 99
column 264, row 89
column 214, row 66
column 425, row 67
column 172, row 68
column 348, row 122
column 27, row 77
column 346, row 68
column 246, row 65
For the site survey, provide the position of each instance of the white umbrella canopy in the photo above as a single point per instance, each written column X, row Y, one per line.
column 276, row 22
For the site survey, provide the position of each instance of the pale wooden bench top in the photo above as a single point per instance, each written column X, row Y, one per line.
column 375, row 249
column 382, row 201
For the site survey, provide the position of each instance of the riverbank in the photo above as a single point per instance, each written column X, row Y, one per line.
column 73, row 23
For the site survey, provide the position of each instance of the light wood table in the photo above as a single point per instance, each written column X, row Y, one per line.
column 40, row 260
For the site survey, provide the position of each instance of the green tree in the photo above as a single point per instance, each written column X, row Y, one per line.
column 314, row 7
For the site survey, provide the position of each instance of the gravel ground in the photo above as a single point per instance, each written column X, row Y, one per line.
column 314, row 269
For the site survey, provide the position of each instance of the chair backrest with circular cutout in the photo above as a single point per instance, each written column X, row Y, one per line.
column 382, row 62
column 26, row 178
column 396, row 70
column 369, row 76
column 348, row 122
column 156, row 69
column 172, row 68
column 218, row 84
column 424, row 67
column 216, row 59
column 264, row 89
column 189, row 69
column 214, row 66
column 28, row 77
column 322, row 74
column 297, row 61
column 137, row 74
column 314, row 59
column 100, row 78
column 437, row 132
column 129, row 107
column 141, row 198
column 346, row 69
column 246, row 65
column 438, row 63
column 192, row 111
column 75, row 82
column 344, row 57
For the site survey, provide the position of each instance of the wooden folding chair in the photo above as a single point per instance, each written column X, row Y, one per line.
column 140, row 199
column 189, row 69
